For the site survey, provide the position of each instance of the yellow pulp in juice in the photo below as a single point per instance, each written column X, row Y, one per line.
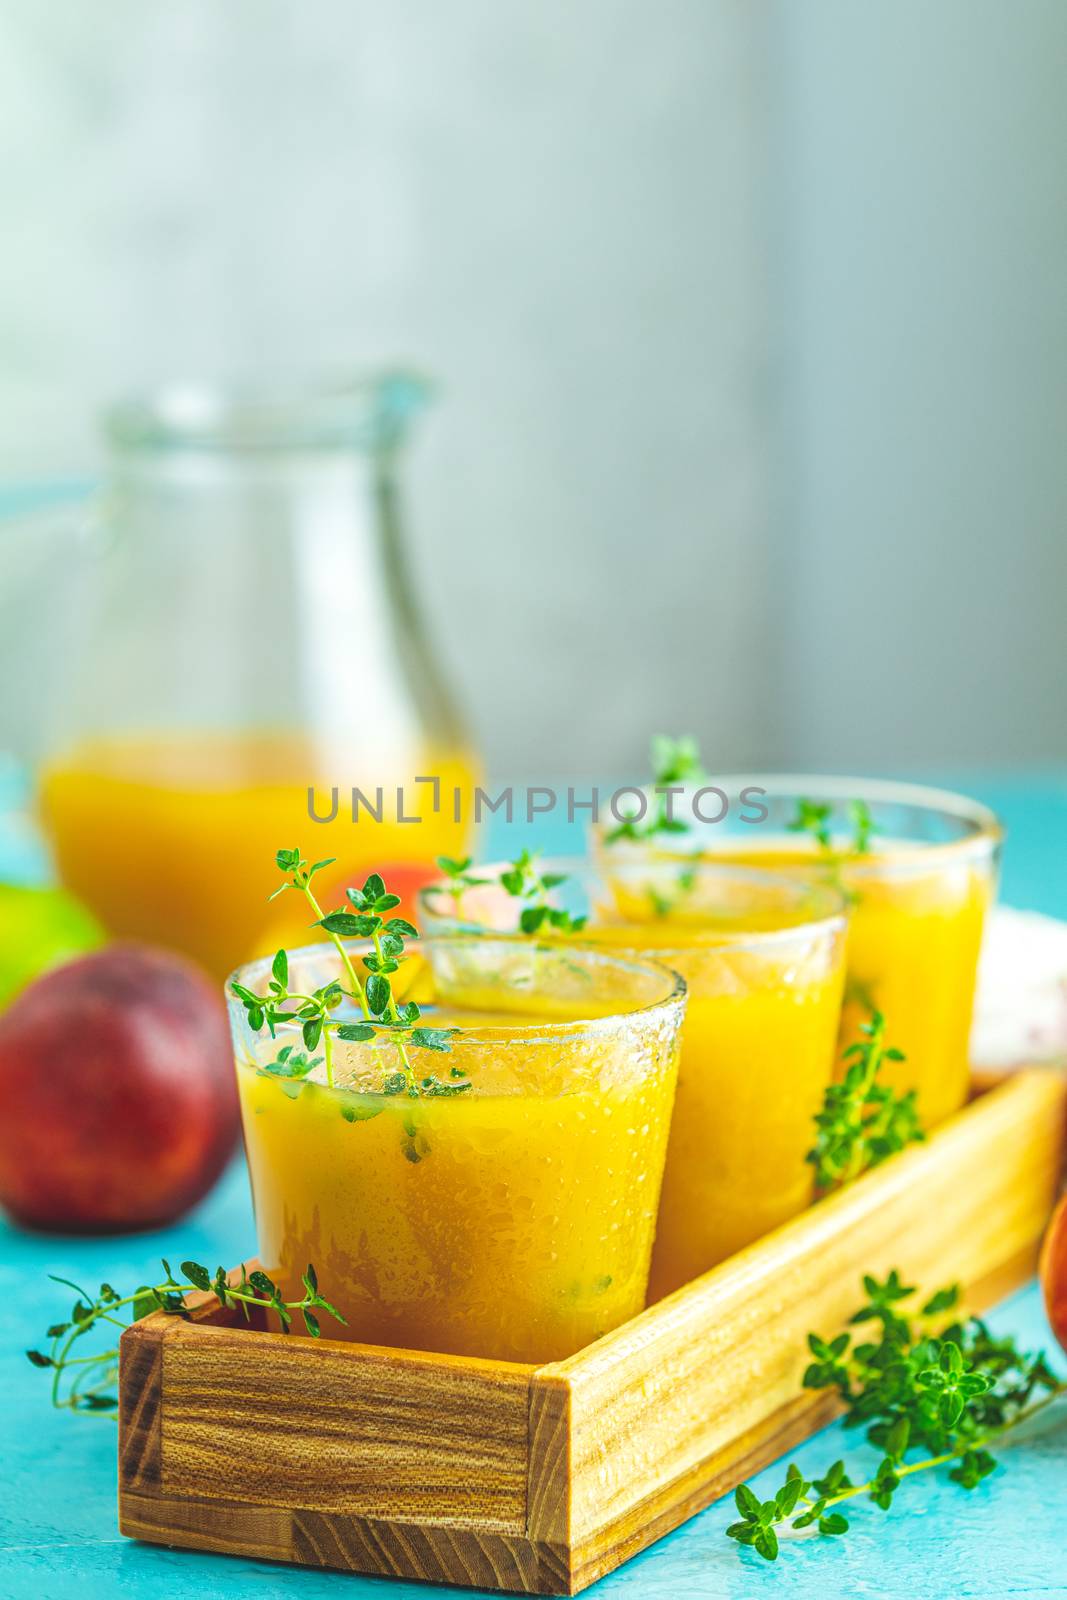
column 522, row 1232
column 913, row 942
column 172, row 840
column 757, row 1054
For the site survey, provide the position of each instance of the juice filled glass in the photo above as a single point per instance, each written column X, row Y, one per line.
column 512, row 1219
column 918, row 891
column 763, row 960
column 243, row 651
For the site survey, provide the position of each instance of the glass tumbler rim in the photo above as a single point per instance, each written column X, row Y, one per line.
column 983, row 832
column 517, row 1034
column 827, row 907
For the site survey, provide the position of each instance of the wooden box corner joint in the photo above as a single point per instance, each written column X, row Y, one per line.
column 540, row 1480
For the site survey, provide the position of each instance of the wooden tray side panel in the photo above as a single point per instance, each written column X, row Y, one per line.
column 688, row 1399
column 342, row 1543
column 463, row 1556
column 141, row 1407
column 548, row 1493
column 330, row 1427
column 262, row 1532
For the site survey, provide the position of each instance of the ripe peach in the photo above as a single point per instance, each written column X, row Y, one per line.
column 118, row 1106
column 1053, row 1271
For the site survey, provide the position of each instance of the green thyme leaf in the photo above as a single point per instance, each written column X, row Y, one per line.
column 432, row 1038
column 348, row 925
column 361, row 1110
column 197, row 1275
column 378, row 994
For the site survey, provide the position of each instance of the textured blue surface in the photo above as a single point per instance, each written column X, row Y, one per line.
column 57, row 1517
column 58, row 1536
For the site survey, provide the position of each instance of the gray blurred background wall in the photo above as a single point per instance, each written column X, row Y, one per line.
column 922, row 304
column 750, row 319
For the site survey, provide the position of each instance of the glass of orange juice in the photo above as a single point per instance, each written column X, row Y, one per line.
column 919, row 869
column 763, row 960
column 507, row 1209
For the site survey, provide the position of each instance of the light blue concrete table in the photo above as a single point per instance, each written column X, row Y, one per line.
column 58, row 1535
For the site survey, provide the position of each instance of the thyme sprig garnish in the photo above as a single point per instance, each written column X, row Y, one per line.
column 675, row 763
column 815, row 817
column 926, row 1399
column 398, row 1023
column 523, row 880
column 665, row 905
column 863, row 826
column 86, row 1383
column 459, row 877
column 863, row 1121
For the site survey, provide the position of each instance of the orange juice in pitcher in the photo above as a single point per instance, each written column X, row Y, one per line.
column 246, row 632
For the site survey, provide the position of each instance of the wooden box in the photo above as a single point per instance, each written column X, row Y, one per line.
column 542, row 1479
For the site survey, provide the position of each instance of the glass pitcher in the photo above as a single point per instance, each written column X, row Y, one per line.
column 244, row 650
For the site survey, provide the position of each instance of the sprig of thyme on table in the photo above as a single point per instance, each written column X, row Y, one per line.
column 675, row 763
column 926, row 1399
column 86, row 1383
column 383, row 1016
column 862, row 1121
